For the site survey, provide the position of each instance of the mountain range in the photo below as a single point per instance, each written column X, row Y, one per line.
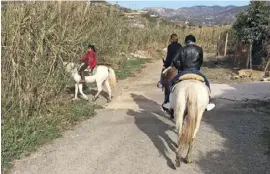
column 199, row 15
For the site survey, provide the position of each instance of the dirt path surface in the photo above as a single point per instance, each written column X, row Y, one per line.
column 132, row 135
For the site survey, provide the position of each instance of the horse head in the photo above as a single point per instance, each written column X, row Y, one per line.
column 70, row 67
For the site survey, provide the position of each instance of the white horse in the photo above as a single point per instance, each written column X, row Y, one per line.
column 104, row 75
column 188, row 100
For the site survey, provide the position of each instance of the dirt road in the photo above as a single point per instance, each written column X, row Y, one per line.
column 132, row 136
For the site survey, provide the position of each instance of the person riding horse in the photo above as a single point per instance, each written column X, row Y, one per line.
column 171, row 51
column 189, row 59
column 89, row 60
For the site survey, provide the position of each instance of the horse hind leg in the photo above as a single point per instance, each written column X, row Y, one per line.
column 108, row 86
column 188, row 158
column 179, row 114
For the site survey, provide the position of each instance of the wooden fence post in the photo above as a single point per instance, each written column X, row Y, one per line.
column 250, row 53
column 267, row 65
column 226, row 42
column 247, row 62
column 217, row 51
column 213, row 36
column 235, row 53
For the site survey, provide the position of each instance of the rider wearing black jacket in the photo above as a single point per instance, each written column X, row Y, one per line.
column 189, row 59
column 171, row 52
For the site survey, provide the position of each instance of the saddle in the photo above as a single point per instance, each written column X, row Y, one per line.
column 189, row 76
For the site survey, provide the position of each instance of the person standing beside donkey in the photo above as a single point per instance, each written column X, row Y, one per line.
column 89, row 60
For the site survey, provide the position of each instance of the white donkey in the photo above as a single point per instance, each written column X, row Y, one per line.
column 104, row 75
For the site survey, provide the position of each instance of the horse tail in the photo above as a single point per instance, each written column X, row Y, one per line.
column 112, row 77
column 188, row 130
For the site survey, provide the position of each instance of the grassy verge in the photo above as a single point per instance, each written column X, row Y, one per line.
column 23, row 135
column 128, row 67
column 221, row 72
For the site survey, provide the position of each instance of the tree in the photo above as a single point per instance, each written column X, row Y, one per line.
column 252, row 24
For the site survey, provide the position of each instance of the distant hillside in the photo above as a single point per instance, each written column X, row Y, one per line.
column 201, row 15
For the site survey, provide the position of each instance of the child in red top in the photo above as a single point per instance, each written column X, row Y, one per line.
column 89, row 60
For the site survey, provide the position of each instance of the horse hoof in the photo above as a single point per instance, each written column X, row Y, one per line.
column 177, row 163
column 94, row 99
column 108, row 101
column 74, row 99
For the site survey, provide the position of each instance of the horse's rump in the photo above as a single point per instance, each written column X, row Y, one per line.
column 190, row 98
column 168, row 76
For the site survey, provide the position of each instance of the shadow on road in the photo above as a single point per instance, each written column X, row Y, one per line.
column 152, row 126
column 234, row 143
column 242, row 149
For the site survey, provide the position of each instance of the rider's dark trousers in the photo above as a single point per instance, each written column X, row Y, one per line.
column 166, row 90
column 83, row 67
column 166, row 94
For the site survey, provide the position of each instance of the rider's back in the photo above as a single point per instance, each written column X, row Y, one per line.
column 192, row 57
column 172, row 50
column 189, row 57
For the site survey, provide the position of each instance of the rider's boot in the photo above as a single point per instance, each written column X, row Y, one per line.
column 210, row 106
column 166, row 102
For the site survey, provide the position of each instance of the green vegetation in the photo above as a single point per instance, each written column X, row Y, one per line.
column 128, row 68
column 252, row 23
column 22, row 135
column 252, row 27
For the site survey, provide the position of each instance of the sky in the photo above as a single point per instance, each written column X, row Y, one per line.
column 135, row 5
